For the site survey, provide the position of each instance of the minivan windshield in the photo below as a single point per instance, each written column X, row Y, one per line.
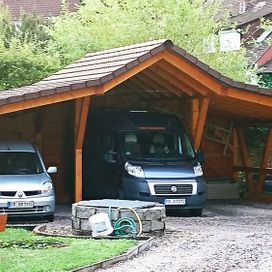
column 19, row 163
column 154, row 145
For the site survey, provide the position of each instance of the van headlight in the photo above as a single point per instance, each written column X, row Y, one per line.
column 136, row 171
column 198, row 170
column 47, row 187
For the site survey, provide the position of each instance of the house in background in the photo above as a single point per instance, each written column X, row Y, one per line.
column 47, row 9
column 246, row 16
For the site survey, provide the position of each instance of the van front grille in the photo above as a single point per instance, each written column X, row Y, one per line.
column 32, row 193
column 173, row 189
column 13, row 193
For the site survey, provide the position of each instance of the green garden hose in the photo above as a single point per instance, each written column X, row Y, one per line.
column 125, row 226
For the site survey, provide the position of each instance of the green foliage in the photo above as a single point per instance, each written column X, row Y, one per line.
column 34, row 49
column 32, row 29
column 23, row 63
column 24, row 58
column 36, row 256
column 266, row 80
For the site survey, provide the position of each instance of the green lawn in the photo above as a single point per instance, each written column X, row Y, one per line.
column 21, row 250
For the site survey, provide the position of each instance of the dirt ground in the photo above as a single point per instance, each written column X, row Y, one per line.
column 230, row 236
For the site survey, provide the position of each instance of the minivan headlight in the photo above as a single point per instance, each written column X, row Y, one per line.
column 198, row 170
column 136, row 171
column 47, row 187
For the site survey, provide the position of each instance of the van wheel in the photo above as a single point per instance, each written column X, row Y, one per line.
column 196, row 212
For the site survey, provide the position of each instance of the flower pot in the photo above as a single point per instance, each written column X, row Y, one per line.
column 3, row 221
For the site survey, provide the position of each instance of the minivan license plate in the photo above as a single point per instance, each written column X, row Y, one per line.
column 21, row 204
column 174, row 201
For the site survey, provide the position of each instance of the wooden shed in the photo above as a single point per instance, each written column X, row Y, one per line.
column 153, row 75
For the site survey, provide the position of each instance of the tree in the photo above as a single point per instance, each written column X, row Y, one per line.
column 101, row 24
column 24, row 57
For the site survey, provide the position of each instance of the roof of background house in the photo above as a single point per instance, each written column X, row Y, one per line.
column 44, row 8
column 266, row 68
column 254, row 51
column 98, row 68
column 254, row 10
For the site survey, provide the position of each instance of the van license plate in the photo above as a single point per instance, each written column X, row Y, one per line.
column 174, row 201
column 21, row 204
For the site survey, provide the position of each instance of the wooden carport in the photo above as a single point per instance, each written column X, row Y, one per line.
column 156, row 75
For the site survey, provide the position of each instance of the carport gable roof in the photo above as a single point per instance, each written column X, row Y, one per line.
column 99, row 72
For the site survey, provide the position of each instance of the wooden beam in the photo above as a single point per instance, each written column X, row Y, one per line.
column 252, row 110
column 235, row 153
column 251, row 169
column 201, row 122
column 194, row 116
column 131, row 72
column 78, row 175
column 166, row 84
column 216, row 85
column 158, row 85
column 193, row 71
column 235, row 147
column 50, row 99
column 171, row 80
column 81, row 115
column 173, row 71
column 248, row 96
column 245, row 159
column 265, row 160
column 81, row 123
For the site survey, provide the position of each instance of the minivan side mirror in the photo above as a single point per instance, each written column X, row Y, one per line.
column 110, row 156
column 52, row 170
column 199, row 155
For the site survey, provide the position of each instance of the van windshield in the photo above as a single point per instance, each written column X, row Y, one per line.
column 19, row 163
column 153, row 145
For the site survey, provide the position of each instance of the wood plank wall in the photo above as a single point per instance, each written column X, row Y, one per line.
column 216, row 163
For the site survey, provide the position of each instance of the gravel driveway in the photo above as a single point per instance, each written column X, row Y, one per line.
column 234, row 236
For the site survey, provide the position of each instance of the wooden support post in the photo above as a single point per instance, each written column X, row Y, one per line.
column 194, row 116
column 265, row 160
column 81, row 114
column 235, row 152
column 245, row 159
column 201, row 122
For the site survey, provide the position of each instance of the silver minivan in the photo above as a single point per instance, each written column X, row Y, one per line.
column 26, row 189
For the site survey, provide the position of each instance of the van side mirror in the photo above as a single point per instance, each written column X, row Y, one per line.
column 199, row 155
column 111, row 156
column 52, row 170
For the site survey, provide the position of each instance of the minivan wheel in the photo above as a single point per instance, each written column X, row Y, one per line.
column 196, row 212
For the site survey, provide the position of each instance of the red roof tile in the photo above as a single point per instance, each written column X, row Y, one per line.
column 48, row 8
